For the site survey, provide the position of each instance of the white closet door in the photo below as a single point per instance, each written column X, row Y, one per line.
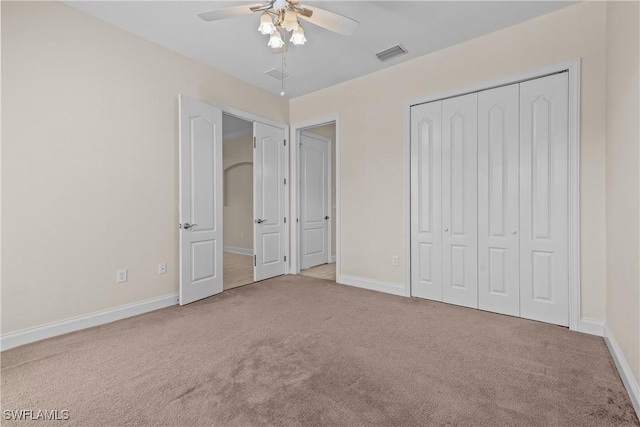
column 498, row 189
column 543, row 199
column 426, row 229
column 459, row 200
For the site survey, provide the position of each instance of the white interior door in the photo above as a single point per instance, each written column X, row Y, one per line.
column 269, row 201
column 498, row 189
column 314, row 200
column 426, row 227
column 200, row 185
column 459, row 200
column 544, row 272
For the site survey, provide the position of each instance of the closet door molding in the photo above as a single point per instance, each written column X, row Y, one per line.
column 573, row 168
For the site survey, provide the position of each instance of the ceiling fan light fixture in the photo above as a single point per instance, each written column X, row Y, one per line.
column 266, row 25
column 290, row 21
column 275, row 41
column 298, row 38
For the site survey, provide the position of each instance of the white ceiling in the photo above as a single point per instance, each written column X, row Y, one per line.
column 236, row 47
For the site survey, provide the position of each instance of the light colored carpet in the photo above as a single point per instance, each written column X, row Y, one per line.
column 302, row 351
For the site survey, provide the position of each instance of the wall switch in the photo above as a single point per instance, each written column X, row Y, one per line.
column 162, row 268
column 395, row 260
column 122, row 276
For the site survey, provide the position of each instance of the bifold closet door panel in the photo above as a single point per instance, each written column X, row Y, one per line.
column 498, row 189
column 459, row 200
column 544, row 276
column 426, row 243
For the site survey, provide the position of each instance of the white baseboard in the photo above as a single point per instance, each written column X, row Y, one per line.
column 37, row 333
column 359, row 282
column 591, row 327
column 241, row 251
column 629, row 381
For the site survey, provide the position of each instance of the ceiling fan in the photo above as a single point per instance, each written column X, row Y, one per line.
column 279, row 15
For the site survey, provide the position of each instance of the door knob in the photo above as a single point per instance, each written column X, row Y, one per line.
column 446, row 229
column 187, row 226
column 260, row 221
column 514, row 232
column 326, row 217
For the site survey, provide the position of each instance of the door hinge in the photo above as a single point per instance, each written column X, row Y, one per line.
column 297, row 219
column 285, row 142
column 285, row 181
column 285, row 257
column 285, row 219
column 254, row 142
column 254, row 260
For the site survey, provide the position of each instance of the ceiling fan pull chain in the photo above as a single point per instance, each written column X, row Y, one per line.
column 284, row 64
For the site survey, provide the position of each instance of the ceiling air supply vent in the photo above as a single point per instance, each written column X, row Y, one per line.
column 392, row 52
column 278, row 74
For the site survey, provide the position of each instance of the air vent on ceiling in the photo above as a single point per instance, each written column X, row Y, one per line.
column 392, row 52
column 278, row 74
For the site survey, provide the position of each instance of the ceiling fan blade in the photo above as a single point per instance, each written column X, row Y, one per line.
column 331, row 21
column 228, row 12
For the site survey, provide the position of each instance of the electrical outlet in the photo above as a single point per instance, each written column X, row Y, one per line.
column 395, row 260
column 122, row 276
column 162, row 268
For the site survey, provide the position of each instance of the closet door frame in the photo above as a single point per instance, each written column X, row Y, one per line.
column 572, row 67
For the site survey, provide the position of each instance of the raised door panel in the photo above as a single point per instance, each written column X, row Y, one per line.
column 459, row 200
column 544, row 288
column 498, row 189
column 426, row 245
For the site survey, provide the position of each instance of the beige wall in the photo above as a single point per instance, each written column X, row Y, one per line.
column 623, row 178
column 371, row 112
column 329, row 131
column 237, row 156
column 89, row 160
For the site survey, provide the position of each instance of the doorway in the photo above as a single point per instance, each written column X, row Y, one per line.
column 246, row 185
column 237, row 159
column 317, row 201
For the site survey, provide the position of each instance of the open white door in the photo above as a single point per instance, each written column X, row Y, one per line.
column 200, row 200
column 269, row 194
column 314, row 200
